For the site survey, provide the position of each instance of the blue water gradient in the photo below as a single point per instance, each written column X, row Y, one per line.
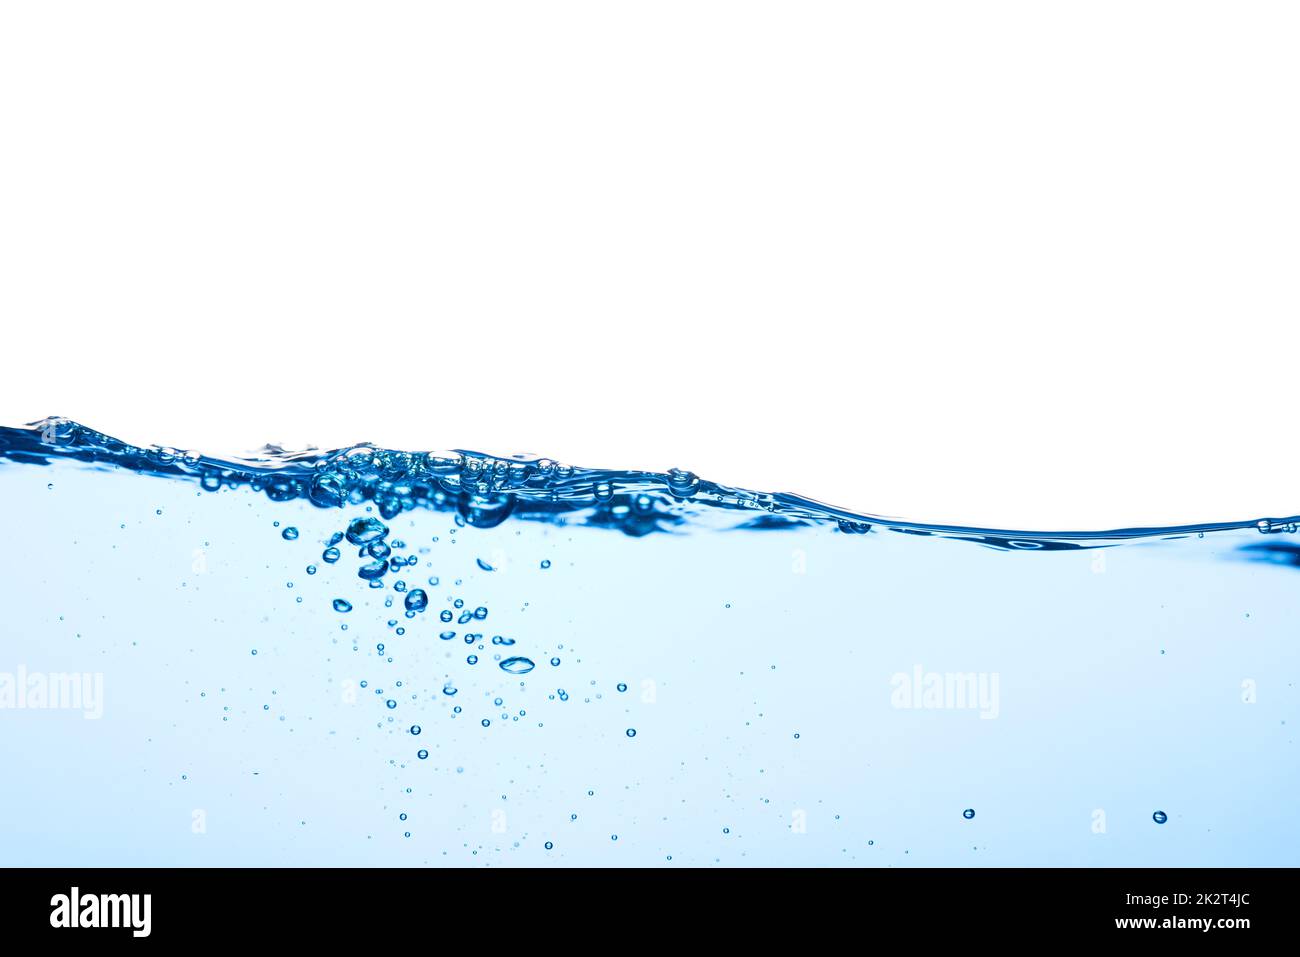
column 369, row 656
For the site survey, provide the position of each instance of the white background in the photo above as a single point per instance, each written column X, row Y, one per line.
column 1019, row 264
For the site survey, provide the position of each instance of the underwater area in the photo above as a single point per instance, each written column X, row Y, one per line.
column 377, row 657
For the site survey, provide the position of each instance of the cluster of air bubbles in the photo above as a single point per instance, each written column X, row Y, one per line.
column 481, row 490
column 379, row 555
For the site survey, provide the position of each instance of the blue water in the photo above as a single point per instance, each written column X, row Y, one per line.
column 392, row 658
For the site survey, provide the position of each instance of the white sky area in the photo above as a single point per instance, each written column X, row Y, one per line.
column 1025, row 265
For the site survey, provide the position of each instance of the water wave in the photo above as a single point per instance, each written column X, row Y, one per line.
column 486, row 489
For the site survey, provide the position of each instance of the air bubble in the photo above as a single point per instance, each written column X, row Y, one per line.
column 517, row 665
column 682, row 483
column 372, row 571
column 363, row 531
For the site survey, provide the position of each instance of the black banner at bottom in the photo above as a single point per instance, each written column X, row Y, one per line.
column 365, row 906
